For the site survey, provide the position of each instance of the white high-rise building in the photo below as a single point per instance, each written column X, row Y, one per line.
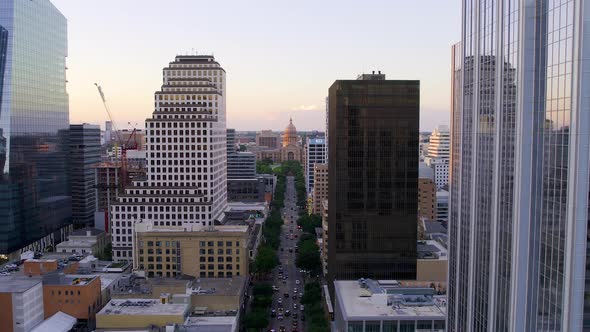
column 315, row 153
column 438, row 155
column 440, row 142
column 186, row 155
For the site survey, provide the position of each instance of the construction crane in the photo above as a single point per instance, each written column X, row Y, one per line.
column 131, row 145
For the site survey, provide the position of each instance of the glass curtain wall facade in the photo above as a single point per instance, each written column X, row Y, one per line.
column 373, row 179
column 84, row 153
column 34, row 120
column 519, row 167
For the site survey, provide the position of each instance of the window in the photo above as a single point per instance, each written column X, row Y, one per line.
column 372, row 326
column 355, row 326
column 390, row 326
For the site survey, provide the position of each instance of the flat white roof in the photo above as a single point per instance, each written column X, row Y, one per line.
column 358, row 304
column 60, row 322
column 149, row 307
column 212, row 323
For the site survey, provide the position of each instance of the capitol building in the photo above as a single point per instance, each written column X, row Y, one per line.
column 290, row 149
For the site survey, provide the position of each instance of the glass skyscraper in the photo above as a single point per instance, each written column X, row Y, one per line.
column 373, row 178
column 520, row 167
column 35, row 208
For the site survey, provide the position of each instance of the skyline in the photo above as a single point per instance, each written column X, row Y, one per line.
column 256, row 44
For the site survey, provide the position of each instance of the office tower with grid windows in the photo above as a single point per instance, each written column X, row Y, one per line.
column 438, row 155
column 186, row 155
column 520, row 154
column 315, row 153
column 84, row 153
column 373, row 178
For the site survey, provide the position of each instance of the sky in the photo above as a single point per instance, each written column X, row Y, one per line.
column 280, row 56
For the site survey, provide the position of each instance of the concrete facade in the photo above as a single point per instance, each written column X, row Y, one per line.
column 21, row 303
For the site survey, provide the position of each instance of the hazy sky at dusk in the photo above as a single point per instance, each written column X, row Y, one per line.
column 280, row 56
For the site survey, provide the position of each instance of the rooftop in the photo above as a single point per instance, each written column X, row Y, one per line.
column 434, row 227
column 53, row 279
column 431, row 249
column 17, row 284
column 143, row 227
column 218, row 286
column 246, row 206
column 386, row 299
column 144, row 307
column 210, row 324
column 106, row 279
column 56, row 323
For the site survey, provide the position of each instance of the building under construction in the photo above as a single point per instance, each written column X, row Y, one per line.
column 109, row 183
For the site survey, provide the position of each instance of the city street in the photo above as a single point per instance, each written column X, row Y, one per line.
column 286, row 276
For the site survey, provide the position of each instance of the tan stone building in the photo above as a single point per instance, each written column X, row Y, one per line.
column 291, row 148
column 193, row 250
column 320, row 188
column 426, row 199
column 268, row 139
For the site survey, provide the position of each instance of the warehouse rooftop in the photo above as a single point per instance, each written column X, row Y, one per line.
column 142, row 307
column 387, row 299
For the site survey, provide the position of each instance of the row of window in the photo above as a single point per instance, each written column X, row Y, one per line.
column 195, row 73
column 179, row 147
column 160, row 208
column 189, row 216
column 162, row 96
column 71, row 293
column 174, row 124
column 219, row 243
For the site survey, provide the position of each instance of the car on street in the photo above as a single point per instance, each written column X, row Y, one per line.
column 280, row 302
column 280, row 317
column 302, row 307
column 302, row 317
column 297, row 282
column 275, row 288
column 282, row 328
column 290, row 249
column 286, row 295
column 294, row 306
column 273, row 313
column 287, row 313
column 294, row 315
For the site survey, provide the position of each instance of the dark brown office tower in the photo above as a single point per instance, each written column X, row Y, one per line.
column 373, row 178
